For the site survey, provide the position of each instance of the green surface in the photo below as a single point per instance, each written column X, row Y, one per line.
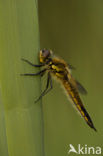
column 74, row 31
column 21, row 120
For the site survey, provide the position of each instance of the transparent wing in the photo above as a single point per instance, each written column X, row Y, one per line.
column 71, row 67
column 80, row 88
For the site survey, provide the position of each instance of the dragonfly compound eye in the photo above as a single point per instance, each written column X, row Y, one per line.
column 45, row 53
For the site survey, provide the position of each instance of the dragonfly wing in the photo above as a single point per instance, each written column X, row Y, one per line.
column 71, row 67
column 80, row 88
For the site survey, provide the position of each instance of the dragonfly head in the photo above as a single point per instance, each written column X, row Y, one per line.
column 45, row 55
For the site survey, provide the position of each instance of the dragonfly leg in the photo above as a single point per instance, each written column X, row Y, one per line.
column 46, row 90
column 34, row 74
column 34, row 65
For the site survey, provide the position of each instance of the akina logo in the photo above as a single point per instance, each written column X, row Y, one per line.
column 84, row 149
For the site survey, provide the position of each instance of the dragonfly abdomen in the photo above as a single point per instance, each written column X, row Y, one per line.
column 74, row 96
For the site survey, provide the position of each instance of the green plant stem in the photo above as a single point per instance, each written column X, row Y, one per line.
column 19, row 38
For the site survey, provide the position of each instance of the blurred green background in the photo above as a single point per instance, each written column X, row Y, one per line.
column 74, row 31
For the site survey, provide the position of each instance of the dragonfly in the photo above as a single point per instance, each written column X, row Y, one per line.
column 58, row 69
